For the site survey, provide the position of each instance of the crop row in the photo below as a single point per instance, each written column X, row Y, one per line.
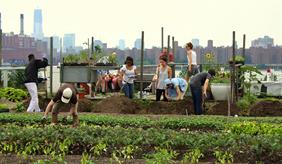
column 262, row 141
column 164, row 122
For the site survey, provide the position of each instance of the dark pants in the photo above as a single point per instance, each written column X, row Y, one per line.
column 197, row 99
column 159, row 93
column 56, row 109
column 128, row 90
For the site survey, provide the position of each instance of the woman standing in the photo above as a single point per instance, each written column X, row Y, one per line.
column 192, row 61
column 163, row 72
column 128, row 73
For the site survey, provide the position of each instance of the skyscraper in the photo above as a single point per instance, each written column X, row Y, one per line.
column 137, row 44
column 210, row 44
column 22, row 24
column 121, row 44
column 37, row 30
column 69, row 41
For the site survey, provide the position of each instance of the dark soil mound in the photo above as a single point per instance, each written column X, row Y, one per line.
column 116, row 104
column 266, row 108
column 221, row 108
column 182, row 107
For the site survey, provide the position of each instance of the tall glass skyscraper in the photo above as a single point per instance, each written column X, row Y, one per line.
column 37, row 30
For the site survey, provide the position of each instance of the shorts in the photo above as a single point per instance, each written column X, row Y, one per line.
column 195, row 70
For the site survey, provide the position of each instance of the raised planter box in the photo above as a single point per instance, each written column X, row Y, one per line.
column 272, row 88
column 220, row 91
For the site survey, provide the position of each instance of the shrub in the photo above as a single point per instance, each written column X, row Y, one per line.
column 12, row 94
column 20, row 107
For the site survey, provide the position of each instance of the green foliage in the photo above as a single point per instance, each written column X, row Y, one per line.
column 162, row 156
column 3, row 106
column 254, row 128
column 221, row 78
column 82, row 57
column 245, row 103
column 86, row 159
column 238, row 59
column 16, row 79
column 193, row 156
column 20, row 107
column 113, row 58
column 223, row 157
column 12, row 94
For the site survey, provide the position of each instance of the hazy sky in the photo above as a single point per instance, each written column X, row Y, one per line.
column 111, row 20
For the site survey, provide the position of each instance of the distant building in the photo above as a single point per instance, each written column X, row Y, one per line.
column 210, row 44
column 69, row 42
column 56, row 42
column 121, row 44
column 264, row 42
column 137, row 44
column 37, row 29
column 196, row 42
column 16, row 48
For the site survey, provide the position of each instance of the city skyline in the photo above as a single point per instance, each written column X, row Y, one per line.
column 245, row 18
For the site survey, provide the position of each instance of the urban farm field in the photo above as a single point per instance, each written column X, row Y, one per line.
column 101, row 138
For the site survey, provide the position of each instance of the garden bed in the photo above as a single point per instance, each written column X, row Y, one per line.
column 141, row 138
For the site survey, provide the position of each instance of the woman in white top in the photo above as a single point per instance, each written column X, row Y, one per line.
column 163, row 72
column 192, row 61
column 128, row 73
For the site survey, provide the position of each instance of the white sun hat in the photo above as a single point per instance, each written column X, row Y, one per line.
column 66, row 96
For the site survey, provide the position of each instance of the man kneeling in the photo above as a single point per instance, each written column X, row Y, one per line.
column 175, row 88
column 66, row 96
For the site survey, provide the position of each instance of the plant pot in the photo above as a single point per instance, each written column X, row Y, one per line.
column 220, row 91
column 4, row 110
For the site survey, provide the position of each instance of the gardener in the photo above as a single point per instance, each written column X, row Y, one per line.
column 128, row 73
column 163, row 72
column 31, row 80
column 175, row 88
column 192, row 61
column 66, row 96
column 198, row 85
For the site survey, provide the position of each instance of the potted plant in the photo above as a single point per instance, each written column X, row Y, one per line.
column 239, row 59
column 220, row 86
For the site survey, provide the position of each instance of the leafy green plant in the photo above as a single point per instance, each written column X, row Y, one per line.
column 245, row 103
column 162, row 156
column 113, row 58
column 238, row 58
column 20, row 107
column 193, row 156
column 223, row 157
column 98, row 149
column 86, row 159
column 3, row 107
column 16, row 79
column 12, row 94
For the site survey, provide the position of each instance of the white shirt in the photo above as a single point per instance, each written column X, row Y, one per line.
column 128, row 75
column 194, row 58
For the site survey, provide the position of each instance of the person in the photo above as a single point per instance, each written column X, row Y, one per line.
column 192, row 61
column 128, row 73
column 167, row 54
column 175, row 88
column 198, row 85
column 67, row 95
column 31, row 80
column 163, row 72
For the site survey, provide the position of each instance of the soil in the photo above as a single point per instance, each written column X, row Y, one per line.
column 122, row 105
column 266, row 108
column 221, row 108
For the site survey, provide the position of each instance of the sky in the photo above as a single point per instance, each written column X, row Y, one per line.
column 112, row 20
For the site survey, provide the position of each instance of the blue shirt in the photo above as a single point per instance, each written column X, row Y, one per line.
column 181, row 83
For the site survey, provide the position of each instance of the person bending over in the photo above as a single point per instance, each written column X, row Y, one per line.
column 66, row 95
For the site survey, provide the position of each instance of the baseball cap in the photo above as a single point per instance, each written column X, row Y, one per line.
column 66, row 96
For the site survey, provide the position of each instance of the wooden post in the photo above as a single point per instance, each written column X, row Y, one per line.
column 162, row 37
column 173, row 52
column 168, row 46
column 142, row 64
column 233, row 69
column 244, row 46
column 92, row 45
column 51, row 66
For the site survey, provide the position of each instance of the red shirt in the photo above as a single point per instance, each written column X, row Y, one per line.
column 170, row 57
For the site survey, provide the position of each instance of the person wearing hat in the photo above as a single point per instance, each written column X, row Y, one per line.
column 175, row 88
column 198, row 85
column 66, row 95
